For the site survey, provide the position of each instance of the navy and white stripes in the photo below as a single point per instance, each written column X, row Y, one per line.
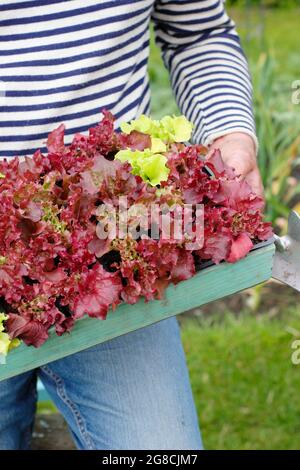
column 64, row 60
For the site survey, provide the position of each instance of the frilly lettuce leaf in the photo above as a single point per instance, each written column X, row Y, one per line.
column 157, row 145
column 142, row 124
column 6, row 344
column 150, row 164
column 177, row 128
column 169, row 129
column 154, row 169
column 151, row 167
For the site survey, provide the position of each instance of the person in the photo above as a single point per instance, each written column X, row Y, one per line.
column 64, row 61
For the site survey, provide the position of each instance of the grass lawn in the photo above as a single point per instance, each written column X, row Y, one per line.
column 245, row 385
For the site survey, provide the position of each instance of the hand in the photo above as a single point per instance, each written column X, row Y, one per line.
column 238, row 151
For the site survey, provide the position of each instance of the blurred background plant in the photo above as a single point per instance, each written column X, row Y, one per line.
column 265, row 3
column 278, row 131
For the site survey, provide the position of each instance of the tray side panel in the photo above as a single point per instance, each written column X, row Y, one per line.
column 208, row 285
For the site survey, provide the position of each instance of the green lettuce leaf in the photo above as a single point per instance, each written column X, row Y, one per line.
column 177, row 128
column 150, row 164
column 154, row 169
column 6, row 344
column 169, row 129
column 157, row 145
column 151, row 167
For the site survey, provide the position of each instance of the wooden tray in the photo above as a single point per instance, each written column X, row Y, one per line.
column 211, row 283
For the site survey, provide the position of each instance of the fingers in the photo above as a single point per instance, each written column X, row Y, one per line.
column 254, row 180
column 239, row 158
column 246, row 167
column 238, row 151
column 242, row 163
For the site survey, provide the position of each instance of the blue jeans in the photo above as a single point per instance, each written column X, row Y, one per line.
column 132, row 392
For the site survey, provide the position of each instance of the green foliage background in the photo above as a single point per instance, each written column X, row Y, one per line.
column 265, row 3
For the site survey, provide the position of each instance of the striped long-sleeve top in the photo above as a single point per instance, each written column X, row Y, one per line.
column 65, row 60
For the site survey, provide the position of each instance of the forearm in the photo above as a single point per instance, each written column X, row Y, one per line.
column 209, row 72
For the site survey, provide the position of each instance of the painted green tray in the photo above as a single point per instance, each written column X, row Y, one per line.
column 209, row 284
